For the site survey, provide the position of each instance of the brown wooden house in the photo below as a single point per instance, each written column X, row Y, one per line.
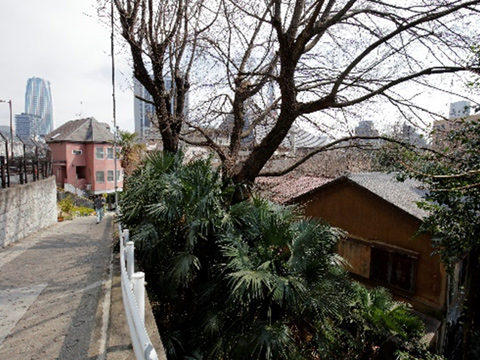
column 382, row 246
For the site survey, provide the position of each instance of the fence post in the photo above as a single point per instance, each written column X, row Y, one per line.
column 25, row 163
column 2, row 170
column 126, row 237
column 8, row 163
column 138, row 280
column 20, row 168
column 130, row 259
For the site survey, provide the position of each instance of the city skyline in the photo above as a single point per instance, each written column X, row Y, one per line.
column 68, row 44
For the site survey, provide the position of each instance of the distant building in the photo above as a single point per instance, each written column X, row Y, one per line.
column 408, row 134
column 83, row 157
column 144, row 111
column 38, row 103
column 459, row 109
column 460, row 113
column 366, row 128
column 28, row 125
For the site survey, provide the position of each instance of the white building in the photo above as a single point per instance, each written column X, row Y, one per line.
column 459, row 109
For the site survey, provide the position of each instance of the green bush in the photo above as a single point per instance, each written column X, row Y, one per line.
column 84, row 211
column 251, row 280
column 66, row 205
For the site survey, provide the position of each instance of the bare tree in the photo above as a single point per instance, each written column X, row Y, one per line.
column 279, row 62
column 265, row 65
column 162, row 38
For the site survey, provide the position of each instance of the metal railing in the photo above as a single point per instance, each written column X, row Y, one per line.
column 24, row 160
column 133, row 291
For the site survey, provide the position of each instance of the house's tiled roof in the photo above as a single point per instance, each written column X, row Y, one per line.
column 82, row 130
column 404, row 194
column 284, row 188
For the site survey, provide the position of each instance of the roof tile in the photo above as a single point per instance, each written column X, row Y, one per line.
column 81, row 130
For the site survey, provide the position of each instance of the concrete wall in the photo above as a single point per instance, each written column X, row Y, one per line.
column 27, row 208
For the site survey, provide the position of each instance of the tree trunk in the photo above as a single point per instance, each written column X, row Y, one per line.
column 472, row 313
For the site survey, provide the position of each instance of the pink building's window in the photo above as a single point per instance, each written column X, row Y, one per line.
column 110, row 153
column 110, row 175
column 77, row 152
column 99, row 153
column 100, row 176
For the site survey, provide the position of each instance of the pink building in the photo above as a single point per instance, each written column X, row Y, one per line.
column 83, row 157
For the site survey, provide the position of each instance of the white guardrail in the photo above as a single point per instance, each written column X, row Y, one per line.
column 133, row 291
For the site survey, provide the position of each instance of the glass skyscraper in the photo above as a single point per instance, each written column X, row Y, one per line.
column 38, row 102
column 144, row 111
column 28, row 125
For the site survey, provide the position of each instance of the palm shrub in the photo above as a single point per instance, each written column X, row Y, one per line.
column 251, row 280
column 174, row 211
column 375, row 327
column 279, row 278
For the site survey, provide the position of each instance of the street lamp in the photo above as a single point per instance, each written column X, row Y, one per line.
column 11, row 125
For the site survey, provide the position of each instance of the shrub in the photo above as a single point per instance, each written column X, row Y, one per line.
column 251, row 280
column 66, row 205
column 84, row 211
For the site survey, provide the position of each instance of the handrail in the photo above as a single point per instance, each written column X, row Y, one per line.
column 133, row 291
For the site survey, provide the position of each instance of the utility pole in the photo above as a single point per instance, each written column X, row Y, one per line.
column 115, row 128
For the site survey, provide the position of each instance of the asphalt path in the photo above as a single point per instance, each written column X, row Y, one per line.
column 55, row 292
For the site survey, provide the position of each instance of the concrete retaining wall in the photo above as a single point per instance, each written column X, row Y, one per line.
column 27, row 208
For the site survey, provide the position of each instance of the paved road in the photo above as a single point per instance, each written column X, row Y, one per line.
column 55, row 294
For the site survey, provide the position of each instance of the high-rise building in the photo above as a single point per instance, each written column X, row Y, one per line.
column 144, row 111
column 28, row 125
column 38, row 102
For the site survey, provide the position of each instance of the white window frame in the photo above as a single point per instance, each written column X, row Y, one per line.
column 97, row 177
column 77, row 152
column 108, row 176
column 110, row 153
column 97, row 153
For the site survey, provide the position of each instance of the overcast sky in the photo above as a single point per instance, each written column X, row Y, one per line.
column 64, row 42
column 61, row 41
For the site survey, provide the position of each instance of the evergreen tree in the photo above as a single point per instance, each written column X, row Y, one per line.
column 253, row 280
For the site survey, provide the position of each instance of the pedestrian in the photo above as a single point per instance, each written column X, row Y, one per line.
column 98, row 205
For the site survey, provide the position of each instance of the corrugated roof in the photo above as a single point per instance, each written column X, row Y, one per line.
column 404, row 194
column 81, row 130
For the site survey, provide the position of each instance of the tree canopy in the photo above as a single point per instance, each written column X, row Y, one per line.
column 262, row 66
column 251, row 280
column 451, row 174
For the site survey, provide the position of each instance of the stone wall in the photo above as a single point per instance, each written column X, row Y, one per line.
column 27, row 208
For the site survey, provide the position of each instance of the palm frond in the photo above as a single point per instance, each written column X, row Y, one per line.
column 184, row 267
column 249, row 285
